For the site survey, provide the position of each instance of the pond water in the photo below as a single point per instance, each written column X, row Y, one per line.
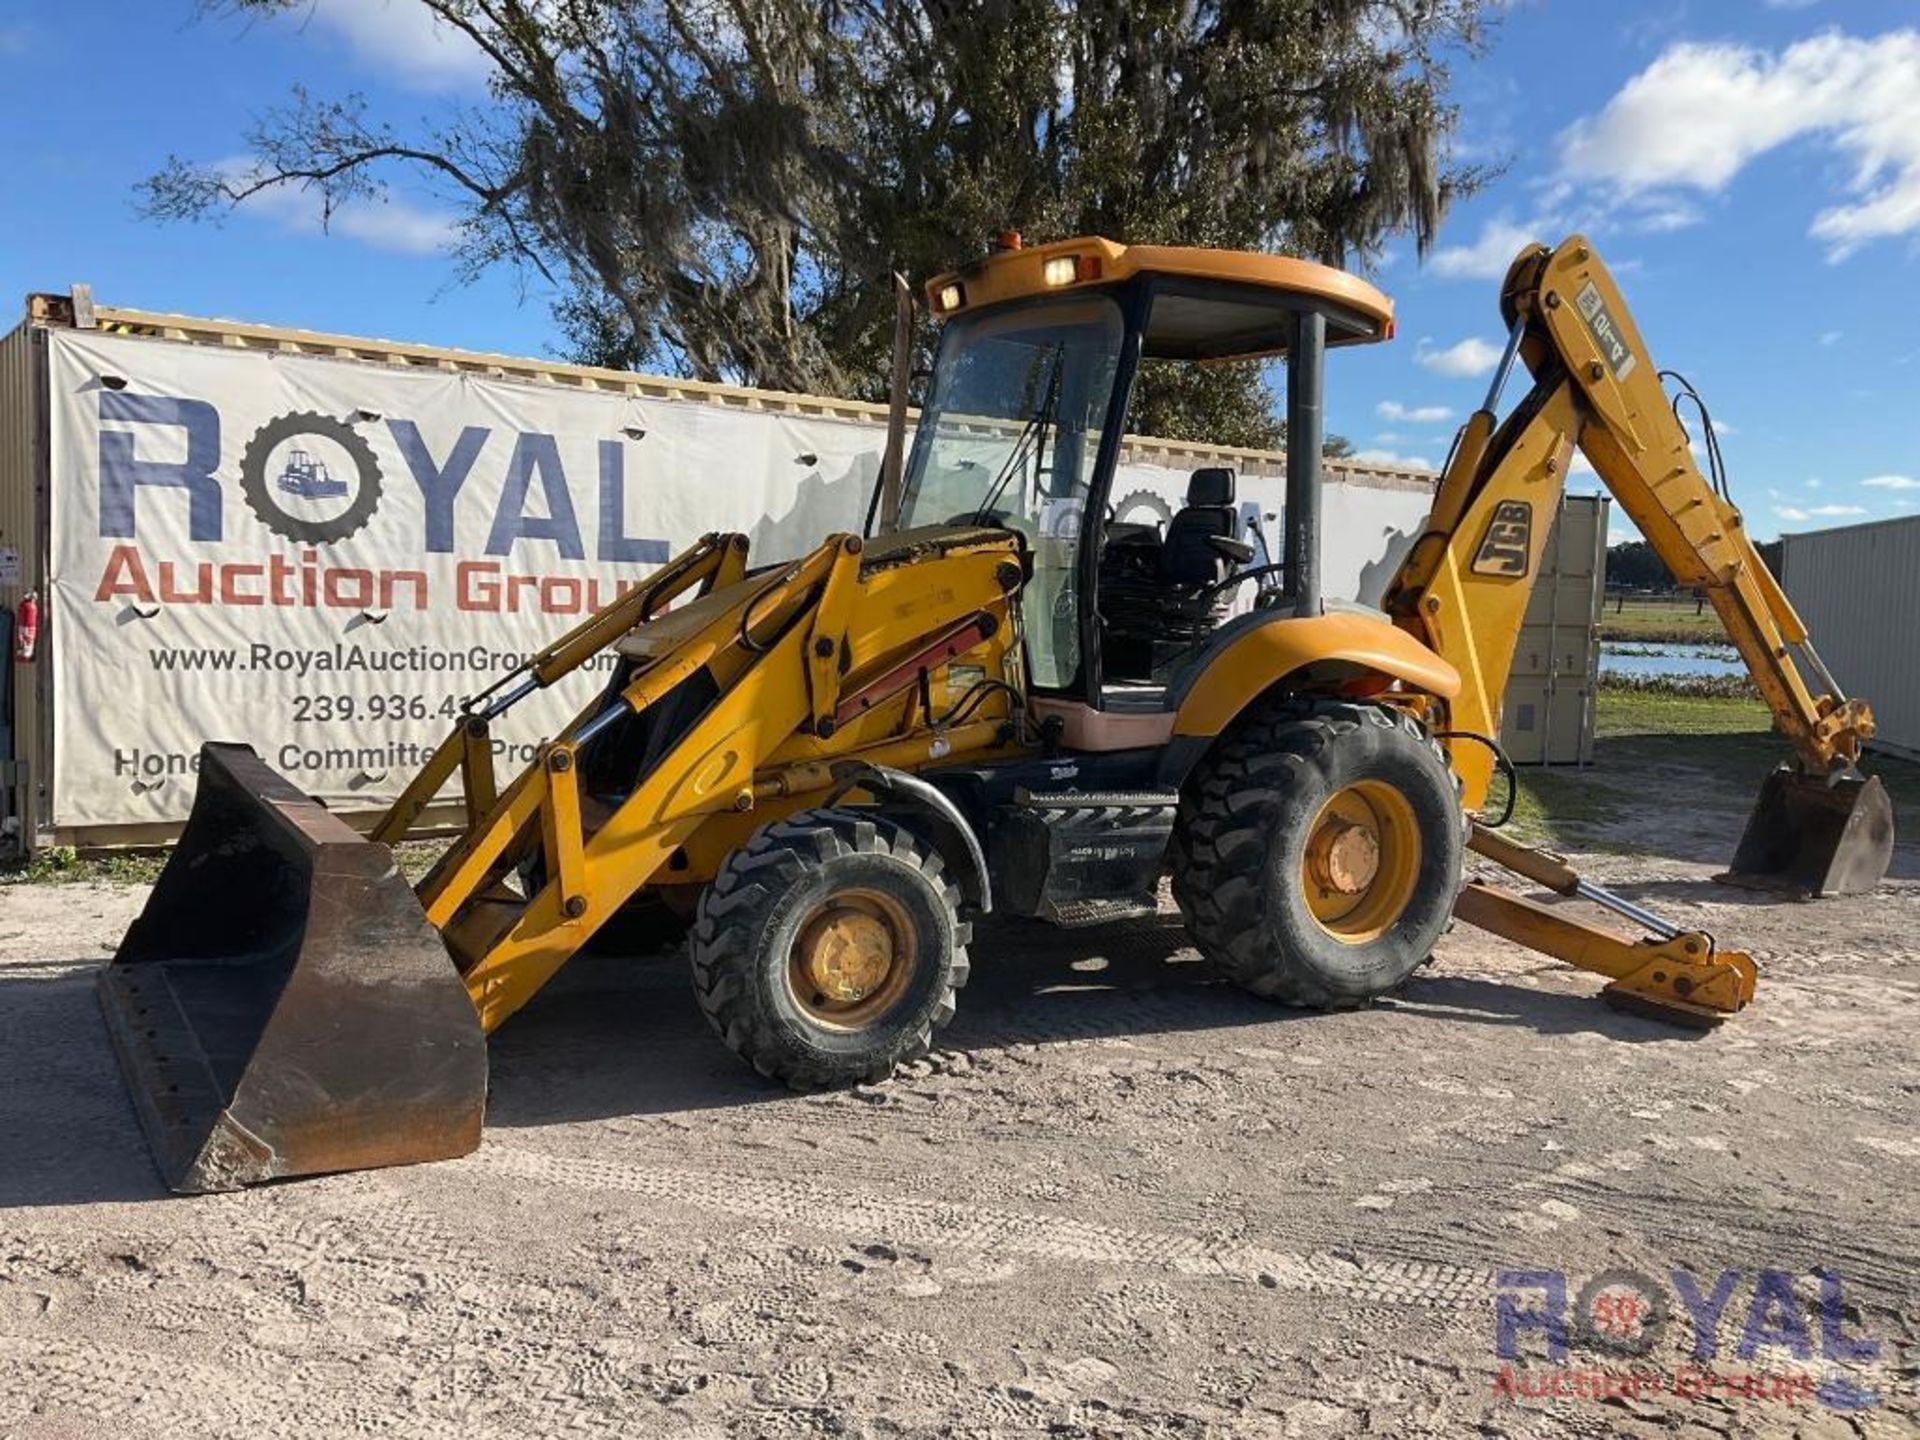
column 1620, row 657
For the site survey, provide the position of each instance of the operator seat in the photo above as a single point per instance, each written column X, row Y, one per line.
column 1160, row 594
column 1187, row 556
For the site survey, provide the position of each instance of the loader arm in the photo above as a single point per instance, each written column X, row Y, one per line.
column 748, row 693
column 285, row 1005
column 1820, row 826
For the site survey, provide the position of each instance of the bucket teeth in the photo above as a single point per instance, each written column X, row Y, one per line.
column 282, row 1006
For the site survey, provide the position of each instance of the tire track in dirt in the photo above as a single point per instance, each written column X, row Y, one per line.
column 120, row 1392
column 418, row 1302
column 994, row 1233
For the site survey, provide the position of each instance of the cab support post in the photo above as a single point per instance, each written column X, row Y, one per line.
column 1306, row 374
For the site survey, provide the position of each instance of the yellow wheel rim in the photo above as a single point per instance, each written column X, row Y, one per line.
column 852, row 958
column 1362, row 861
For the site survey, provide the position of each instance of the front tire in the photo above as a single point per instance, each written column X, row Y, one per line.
column 829, row 948
column 1318, row 853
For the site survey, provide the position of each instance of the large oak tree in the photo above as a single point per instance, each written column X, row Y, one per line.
column 721, row 188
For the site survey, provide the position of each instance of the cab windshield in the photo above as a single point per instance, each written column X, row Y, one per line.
column 1009, row 436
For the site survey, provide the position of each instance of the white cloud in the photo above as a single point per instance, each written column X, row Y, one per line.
column 393, row 224
column 1790, row 512
column 1835, row 511
column 1579, row 464
column 1472, row 356
column 1414, row 414
column 1831, row 337
column 399, row 226
column 1664, row 216
column 1392, row 461
column 403, row 38
column 1891, row 482
column 1486, row 258
column 1695, row 117
column 1813, row 482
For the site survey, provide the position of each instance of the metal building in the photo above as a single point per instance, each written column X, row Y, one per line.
column 1858, row 589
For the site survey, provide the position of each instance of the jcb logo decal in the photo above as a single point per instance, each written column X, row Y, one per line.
column 1508, row 543
column 1606, row 331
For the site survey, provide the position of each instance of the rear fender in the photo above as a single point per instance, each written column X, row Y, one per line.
column 1263, row 654
column 1243, row 666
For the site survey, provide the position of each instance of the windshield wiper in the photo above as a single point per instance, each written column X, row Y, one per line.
column 1033, row 434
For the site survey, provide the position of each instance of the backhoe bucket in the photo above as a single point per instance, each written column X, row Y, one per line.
column 1814, row 835
column 282, row 1007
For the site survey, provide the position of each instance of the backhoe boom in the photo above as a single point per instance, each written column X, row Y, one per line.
column 1596, row 387
column 1820, row 827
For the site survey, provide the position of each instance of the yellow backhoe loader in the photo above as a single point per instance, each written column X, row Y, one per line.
column 999, row 700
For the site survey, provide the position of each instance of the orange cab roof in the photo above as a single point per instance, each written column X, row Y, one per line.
column 1012, row 274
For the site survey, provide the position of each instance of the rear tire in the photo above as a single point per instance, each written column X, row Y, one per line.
column 829, row 948
column 1318, row 852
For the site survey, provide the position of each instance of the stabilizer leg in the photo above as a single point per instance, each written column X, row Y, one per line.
column 1675, row 975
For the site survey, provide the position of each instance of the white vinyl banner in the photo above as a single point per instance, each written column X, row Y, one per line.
column 321, row 557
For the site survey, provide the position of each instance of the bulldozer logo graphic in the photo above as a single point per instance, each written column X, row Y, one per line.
column 293, row 479
column 1142, row 507
column 1508, row 544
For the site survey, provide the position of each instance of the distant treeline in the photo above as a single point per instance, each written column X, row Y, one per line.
column 1633, row 565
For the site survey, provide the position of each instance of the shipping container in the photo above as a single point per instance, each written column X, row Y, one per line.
column 23, row 546
column 1548, row 714
column 1857, row 587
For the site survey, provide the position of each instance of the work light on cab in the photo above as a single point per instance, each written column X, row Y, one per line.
column 1066, row 269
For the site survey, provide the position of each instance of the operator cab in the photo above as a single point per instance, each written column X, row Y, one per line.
column 1023, row 426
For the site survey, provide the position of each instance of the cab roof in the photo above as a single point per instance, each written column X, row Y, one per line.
column 1214, row 304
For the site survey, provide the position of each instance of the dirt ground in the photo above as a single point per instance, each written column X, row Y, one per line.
column 1123, row 1200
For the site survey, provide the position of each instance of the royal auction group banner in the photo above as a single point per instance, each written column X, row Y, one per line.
column 322, row 557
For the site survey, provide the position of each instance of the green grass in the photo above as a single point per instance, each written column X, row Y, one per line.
column 1654, row 622
column 1560, row 807
column 1643, row 710
column 63, row 865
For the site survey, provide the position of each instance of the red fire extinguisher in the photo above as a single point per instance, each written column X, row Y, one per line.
column 26, row 626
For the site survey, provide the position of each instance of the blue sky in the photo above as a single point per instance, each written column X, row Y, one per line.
column 1751, row 168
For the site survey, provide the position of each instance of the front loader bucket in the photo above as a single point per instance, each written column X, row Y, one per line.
column 282, row 1007
column 1815, row 835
